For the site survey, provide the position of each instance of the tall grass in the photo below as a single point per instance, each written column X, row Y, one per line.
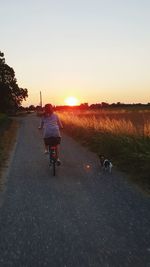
column 122, row 136
column 116, row 122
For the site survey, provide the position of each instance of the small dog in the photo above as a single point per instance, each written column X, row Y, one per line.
column 105, row 164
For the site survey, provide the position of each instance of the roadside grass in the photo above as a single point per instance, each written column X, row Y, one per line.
column 3, row 118
column 8, row 129
column 125, row 142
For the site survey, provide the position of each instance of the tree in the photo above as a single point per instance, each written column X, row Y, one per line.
column 31, row 107
column 84, row 106
column 11, row 95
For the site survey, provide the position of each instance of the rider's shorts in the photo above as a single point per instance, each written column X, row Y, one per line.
column 52, row 141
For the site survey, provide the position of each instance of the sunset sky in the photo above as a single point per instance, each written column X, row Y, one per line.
column 94, row 50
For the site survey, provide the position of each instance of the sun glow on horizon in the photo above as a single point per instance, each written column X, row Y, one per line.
column 71, row 101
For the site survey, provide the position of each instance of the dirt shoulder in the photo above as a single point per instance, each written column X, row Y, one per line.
column 8, row 132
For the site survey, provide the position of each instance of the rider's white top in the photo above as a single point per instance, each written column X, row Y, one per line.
column 51, row 125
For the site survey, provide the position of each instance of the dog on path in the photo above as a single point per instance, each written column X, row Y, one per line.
column 105, row 163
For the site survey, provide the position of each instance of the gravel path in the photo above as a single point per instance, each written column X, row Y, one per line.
column 82, row 217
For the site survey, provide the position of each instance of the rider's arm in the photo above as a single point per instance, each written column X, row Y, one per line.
column 59, row 123
column 41, row 124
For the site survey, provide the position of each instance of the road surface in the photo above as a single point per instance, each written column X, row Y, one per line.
column 82, row 217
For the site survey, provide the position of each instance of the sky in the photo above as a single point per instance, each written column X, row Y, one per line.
column 94, row 50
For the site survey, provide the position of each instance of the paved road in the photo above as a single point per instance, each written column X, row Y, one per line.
column 81, row 217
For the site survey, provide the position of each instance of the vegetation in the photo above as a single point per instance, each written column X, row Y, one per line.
column 11, row 95
column 121, row 135
column 8, row 129
column 3, row 119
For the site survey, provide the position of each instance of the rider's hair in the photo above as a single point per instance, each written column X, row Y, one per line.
column 48, row 109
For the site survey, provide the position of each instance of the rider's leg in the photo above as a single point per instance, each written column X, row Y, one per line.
column 58, row 146
column 57, row 151
column 46, row 146
column 57, row 155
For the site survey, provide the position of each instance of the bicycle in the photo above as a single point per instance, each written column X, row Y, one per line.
column 52, row 143
column 52, row 157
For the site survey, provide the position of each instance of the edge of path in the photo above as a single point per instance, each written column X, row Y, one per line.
column 4, row 172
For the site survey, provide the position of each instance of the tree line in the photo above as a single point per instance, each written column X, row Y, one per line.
column 86, row 106
column 11, row 95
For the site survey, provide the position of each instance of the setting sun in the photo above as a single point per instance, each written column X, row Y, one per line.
column 71, row 101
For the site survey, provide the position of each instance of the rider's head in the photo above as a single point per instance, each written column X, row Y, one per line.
column 48, row 109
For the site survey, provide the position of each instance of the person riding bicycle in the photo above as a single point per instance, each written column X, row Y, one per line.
column 51, row 125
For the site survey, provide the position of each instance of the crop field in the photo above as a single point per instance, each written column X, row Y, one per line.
column 120, row 122
column 122, row 135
